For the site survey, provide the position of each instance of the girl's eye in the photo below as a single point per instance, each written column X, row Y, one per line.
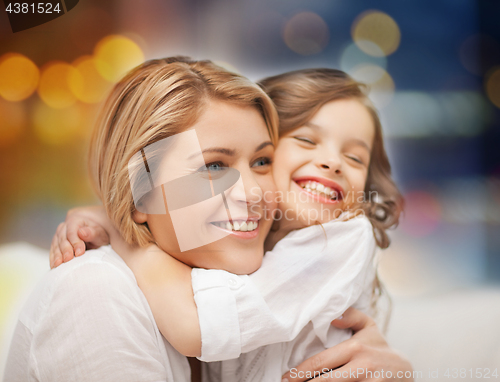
column 262, row 162
column 304, row 139
column 355, row 159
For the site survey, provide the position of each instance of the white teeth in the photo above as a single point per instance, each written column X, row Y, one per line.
column 318, row 188
column 241, row 226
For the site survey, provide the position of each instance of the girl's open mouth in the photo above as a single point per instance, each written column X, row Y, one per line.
column 324, row 191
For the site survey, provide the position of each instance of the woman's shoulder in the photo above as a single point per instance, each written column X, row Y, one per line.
column 97, row 266
column 98, row 277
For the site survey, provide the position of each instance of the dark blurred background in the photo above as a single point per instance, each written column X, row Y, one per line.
column 433, row 67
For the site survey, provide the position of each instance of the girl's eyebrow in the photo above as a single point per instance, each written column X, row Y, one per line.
column 356, row 141
column 312, row 125
column 362, row 143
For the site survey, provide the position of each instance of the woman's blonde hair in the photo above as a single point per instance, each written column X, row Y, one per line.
column 298, row 96
column 156, row 100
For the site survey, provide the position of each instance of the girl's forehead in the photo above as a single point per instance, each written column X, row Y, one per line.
column 343, row 118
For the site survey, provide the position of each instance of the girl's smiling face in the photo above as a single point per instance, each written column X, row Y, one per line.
column 229, row 136
column 320, row 168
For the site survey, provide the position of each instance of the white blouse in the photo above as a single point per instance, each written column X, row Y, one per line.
column 88, row 320
column 310, row 278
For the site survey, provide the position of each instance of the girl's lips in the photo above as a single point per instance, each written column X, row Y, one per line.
column 317, row 197
column 326, row 182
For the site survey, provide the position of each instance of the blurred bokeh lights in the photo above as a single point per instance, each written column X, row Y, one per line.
column 433, row 75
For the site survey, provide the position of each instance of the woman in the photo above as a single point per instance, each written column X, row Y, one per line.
column 111, row 177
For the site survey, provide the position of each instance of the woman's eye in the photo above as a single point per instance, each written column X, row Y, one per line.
column 214, row 166
column 261, row 162
column 304, row 139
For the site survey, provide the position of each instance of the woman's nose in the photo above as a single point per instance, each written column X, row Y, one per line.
column 246, row 189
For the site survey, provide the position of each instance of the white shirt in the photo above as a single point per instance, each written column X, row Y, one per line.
column 310, row 278
column 88, row 320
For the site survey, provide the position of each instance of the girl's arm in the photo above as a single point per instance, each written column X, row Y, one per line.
column 314, row 274
column 165, row 281
column 367, row 347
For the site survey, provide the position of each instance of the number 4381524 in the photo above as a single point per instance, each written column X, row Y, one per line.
column 471, row 373
column 33, row 8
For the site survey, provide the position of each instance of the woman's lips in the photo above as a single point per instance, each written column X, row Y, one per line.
column 247, row 229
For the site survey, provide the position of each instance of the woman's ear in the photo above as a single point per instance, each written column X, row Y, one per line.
column 139, row 217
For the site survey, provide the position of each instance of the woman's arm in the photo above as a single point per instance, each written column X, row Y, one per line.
column 366, row 352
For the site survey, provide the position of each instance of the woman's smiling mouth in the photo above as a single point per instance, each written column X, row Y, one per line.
column 242, row 228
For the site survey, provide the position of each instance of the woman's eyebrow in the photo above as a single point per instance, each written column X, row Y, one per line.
column 220, row 150
column 264, row 144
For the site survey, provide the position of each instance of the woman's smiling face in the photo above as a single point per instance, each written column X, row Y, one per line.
column 320, row 169
column 236, row 225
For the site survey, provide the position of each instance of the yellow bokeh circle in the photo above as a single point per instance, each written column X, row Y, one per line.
column 380, row 83
column 86, row 83
column 493, row 87
column 376, row 28
column 18, row 77
column 54, row 88
column 115, row 55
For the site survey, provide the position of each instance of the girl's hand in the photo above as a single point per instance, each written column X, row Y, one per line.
column 84, row 228
column 366, row 352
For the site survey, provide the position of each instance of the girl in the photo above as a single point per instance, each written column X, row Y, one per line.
column 330, row 160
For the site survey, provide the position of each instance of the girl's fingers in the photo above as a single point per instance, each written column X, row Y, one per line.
column 65, row 246
column 353, row 319
column 56, row 257
column 73, row 236
column 94, row 236
column 328, row 359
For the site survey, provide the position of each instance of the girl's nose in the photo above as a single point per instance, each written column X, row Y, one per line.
column 330, row 164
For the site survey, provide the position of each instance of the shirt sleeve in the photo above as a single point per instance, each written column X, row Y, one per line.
column 312, row 275
column 95, row 328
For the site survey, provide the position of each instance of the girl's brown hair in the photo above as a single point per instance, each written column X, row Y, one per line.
column 156, row 100
column 298, row 96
